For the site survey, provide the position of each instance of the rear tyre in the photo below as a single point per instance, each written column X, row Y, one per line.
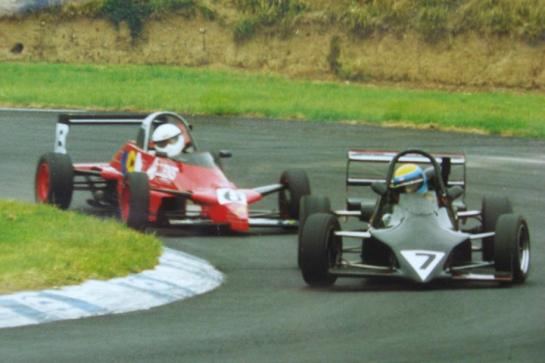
column 134, row 200
column 492, row 208
column 320, row 249
column 54, row 180
column 309, row 205
column 296, row 186
column 512, row 247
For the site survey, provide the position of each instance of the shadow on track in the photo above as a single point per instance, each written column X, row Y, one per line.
column 398, row 285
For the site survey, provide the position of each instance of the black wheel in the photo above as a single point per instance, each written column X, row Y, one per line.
column 54, row 180
column 134, row 200
column 296, row 186
column 492, row 208
column 320, row 249
column 308, row 205
column 512, row 247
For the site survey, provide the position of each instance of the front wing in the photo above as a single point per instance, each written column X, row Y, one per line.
column 474, row 271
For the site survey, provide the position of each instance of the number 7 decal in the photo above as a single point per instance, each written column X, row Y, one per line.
column 422, row 261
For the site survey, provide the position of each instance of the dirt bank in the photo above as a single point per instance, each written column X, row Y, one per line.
column 467, row 60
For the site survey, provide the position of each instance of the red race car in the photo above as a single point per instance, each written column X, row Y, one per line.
column 162, row 178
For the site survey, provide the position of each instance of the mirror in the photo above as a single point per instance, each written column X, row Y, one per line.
column 380, row 188
column 225, row 154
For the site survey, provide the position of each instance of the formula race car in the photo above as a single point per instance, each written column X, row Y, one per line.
column 162, row 178
column 417, row 229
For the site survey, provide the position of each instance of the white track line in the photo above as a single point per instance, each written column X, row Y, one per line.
column 178, row 276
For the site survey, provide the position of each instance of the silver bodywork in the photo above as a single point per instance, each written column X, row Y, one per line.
column 421, row 235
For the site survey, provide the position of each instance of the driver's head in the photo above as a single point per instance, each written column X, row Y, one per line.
column 410, row 178
column 168, row 139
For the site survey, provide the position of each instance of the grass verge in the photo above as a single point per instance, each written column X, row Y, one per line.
column 43, row 247
column 197, row 91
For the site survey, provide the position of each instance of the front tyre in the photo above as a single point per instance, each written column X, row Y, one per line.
column 134, row 200
column 296, row 185
column 54, row 180
column 512, row 247
column 320, row 249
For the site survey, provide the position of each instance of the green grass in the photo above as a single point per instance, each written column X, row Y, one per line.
column 42, row 247
column 194, row 91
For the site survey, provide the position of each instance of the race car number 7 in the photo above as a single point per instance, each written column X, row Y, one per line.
column 422, row 261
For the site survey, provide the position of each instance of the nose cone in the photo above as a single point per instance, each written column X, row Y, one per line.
column 422, row 265
column 237, row 216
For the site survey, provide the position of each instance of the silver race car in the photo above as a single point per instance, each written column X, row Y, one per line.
column 418, row 228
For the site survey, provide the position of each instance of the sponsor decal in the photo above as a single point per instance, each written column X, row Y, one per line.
column 131, row 161
column 162, row 170
column 226, row 196
column 124, row 158
column 138, row 162
column 423, row 261
column 60, row 142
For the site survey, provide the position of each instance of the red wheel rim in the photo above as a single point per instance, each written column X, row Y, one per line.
column 42, row 183
column 125, row 201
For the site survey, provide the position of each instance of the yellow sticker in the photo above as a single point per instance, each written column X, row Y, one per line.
column 131, row 160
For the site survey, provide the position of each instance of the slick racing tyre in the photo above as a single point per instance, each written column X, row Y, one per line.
column 492, row 208
column 134, row 200
column 54, row 180
column 320, row 249
column 296, row 185
column 309, row 205
column 512, row 247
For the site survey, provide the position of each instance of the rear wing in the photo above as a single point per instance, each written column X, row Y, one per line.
column 447, row 161
column 67, row 120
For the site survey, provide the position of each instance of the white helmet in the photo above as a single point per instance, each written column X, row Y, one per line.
column 168, row 139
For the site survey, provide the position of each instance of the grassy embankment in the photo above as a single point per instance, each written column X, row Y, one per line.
column 434, row 20
column 42, row 247
column 193, row 91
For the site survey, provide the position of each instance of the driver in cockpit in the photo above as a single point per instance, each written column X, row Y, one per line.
column 410, row 178
column 168, row 140
column 411, row 182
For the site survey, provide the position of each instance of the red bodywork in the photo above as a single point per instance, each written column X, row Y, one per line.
column 149, row 188
column 220, row 200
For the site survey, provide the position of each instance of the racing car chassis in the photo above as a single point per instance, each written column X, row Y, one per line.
column 435, row 239
column 147, row 187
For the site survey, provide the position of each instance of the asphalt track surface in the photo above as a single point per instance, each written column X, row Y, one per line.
column 264, row 312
